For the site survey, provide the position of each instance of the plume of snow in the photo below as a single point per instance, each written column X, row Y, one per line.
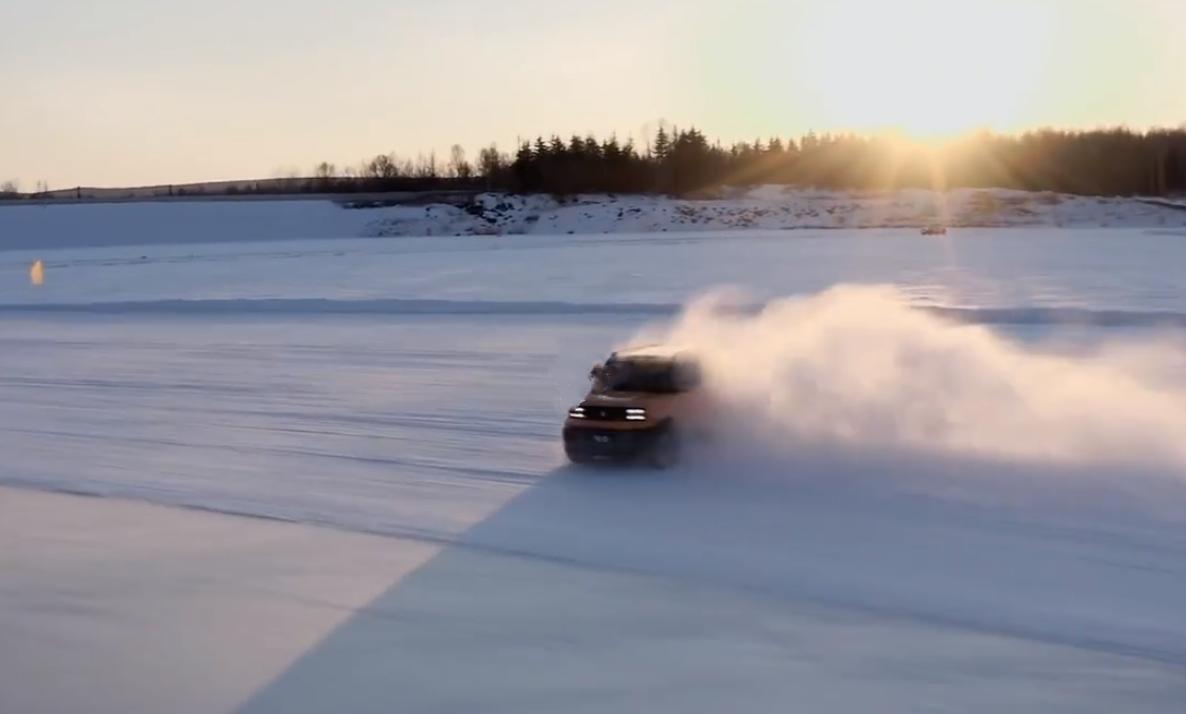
column 858, row 366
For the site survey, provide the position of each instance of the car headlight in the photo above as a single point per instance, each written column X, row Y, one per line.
column 577, row 412
column 635, row 414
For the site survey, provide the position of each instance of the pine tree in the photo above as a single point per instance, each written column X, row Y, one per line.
column 662, row 145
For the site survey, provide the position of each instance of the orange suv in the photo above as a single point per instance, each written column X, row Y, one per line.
column 644, row 404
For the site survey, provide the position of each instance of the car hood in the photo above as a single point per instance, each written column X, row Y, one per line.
column 623, row 399
column 612, row 399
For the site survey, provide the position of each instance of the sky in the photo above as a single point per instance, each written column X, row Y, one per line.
column 133, row 92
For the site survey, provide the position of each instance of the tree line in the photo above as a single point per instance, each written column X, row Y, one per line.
column 1108, row 162
column 684, row 162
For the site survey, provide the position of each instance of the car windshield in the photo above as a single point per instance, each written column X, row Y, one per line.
column 652, row 376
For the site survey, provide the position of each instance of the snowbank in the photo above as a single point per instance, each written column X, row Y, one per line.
column 774, row 208
column 768, row 207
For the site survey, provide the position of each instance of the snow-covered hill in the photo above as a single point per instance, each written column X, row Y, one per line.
column 768, row 207
column 772, row 207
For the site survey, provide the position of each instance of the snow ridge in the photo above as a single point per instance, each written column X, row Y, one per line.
column 772, row 208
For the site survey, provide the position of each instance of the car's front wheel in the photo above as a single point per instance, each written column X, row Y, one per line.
column 666, row 451
column 575, row 455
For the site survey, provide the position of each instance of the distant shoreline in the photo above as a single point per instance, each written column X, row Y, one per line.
column 380, row 199
column 254, row 217
column 388, row 198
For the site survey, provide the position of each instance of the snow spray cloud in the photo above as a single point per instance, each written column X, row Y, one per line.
column 857, row 366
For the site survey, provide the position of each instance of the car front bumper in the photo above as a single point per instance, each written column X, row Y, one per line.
column 592, row 443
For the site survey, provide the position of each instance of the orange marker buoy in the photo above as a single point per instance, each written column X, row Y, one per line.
column 37, row 273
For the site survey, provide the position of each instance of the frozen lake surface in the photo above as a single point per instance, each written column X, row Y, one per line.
column 413, row 389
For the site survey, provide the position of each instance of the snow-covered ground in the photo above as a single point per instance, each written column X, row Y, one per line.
column 764, row 208
column 774, row 208
column 974, row 507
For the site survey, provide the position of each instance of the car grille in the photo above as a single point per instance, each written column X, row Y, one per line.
column 605, row 413
column 608, row 442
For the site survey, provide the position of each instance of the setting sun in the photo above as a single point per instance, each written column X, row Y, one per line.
column 928, row 68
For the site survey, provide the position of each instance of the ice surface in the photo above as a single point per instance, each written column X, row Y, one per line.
column 413, row 388
column 1096, row 269
column 109, row 607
